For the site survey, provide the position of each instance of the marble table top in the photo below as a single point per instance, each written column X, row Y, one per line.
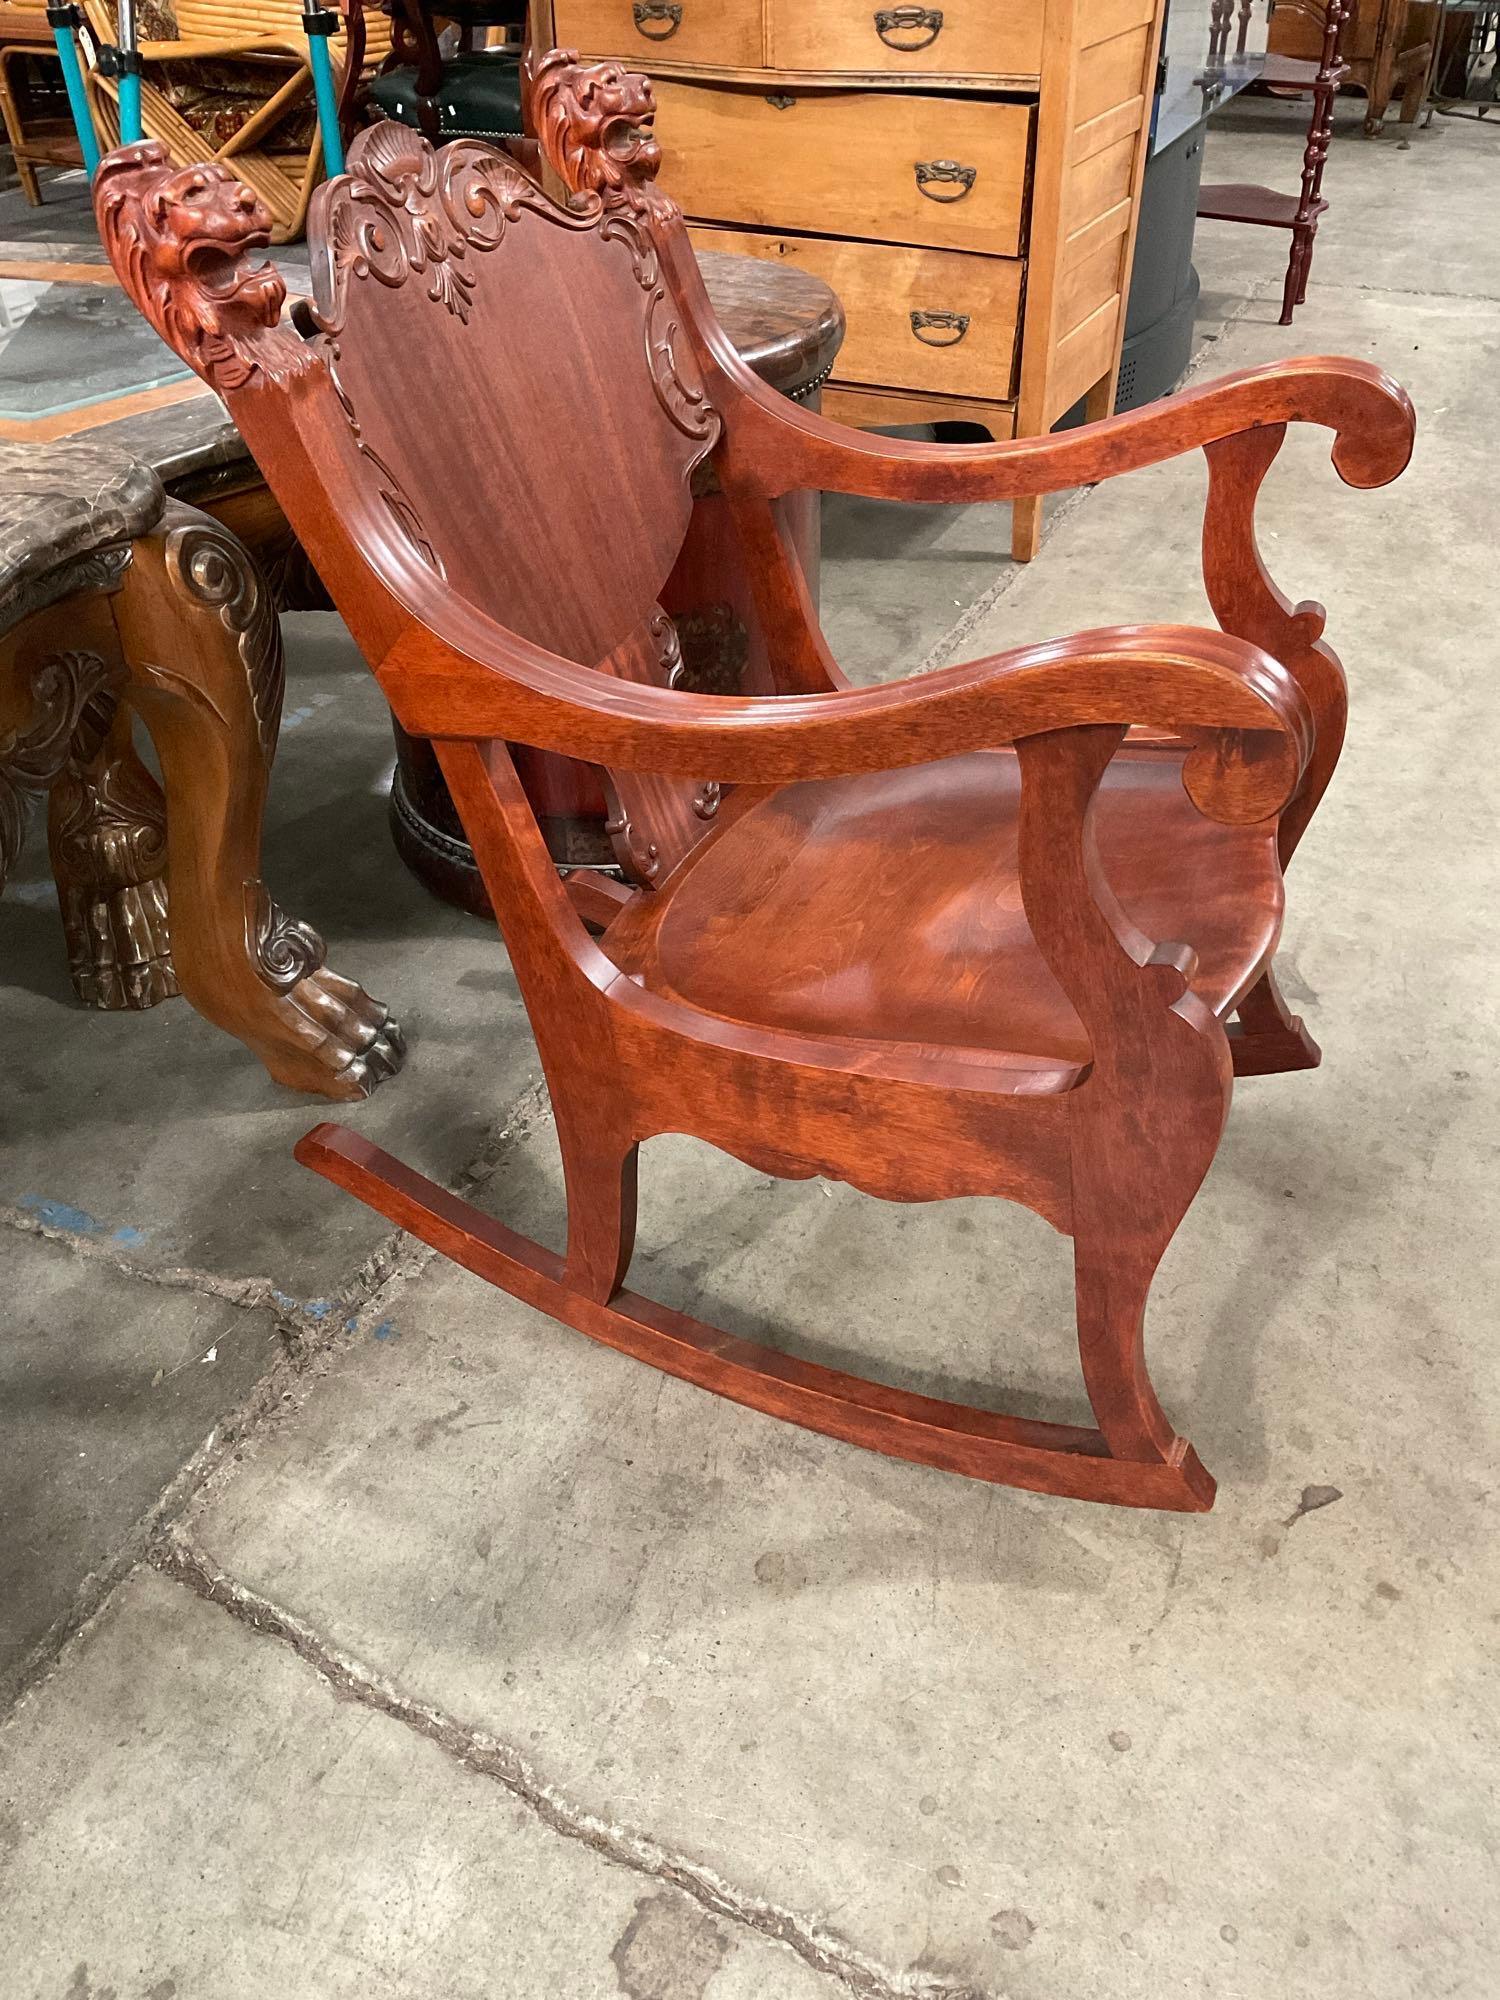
column 59, row 504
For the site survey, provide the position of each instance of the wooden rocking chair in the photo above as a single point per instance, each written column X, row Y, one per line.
column 961, row 935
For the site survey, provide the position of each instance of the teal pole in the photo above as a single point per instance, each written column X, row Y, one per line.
column 318, row 23
column 128, row 57
column 129, row 97
column 65, row 21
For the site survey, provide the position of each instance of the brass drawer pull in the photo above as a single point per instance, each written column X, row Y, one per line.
column 953, row 325
column 657, row 10
column 779, row 101
column 935, row 174
column 924, row 22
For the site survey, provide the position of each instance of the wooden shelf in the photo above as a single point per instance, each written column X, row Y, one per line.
column 1238, row 201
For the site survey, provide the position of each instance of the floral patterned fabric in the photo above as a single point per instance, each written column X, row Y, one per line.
column 217, row 95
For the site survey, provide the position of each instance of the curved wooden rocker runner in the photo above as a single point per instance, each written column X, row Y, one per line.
column 1003, row 929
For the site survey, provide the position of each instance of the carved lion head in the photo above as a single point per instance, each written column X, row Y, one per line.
column 177, row 238
column 594, row 122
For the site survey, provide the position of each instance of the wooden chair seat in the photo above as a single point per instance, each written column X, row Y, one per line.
column 884, row 908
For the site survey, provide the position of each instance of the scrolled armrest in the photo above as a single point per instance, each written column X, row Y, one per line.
column 773, row 446
column 1247, row 718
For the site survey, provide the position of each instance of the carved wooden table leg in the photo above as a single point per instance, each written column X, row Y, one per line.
column 202, row 649
column 46, row 690
column 107, row 834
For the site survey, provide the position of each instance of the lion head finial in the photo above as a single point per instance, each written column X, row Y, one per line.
column 177, row 238
column 594, row 123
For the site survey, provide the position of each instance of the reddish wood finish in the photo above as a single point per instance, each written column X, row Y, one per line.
column 1237, row 201
column 944, row 937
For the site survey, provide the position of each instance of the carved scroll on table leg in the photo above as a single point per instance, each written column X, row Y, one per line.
column 203, row 650
column 54, row 688
column 106, row 822
column 107, row 832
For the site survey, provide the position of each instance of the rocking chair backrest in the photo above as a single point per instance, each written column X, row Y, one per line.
column 510, row 367
column 492, row 404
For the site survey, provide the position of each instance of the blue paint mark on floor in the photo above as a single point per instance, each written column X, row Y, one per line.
column 386, row 1330
column 78, row 1221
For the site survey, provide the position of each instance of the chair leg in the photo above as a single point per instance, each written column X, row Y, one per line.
column 1112, row 1277
column 1134, row 1177
column 1266, row 1037
column 982, row 1444
column 600, row 1176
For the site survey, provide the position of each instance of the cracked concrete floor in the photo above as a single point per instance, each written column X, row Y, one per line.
column 373, row 1636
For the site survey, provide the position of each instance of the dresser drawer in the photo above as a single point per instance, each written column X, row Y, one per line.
column 936, row 320
column 946, row 171
column 725, row 33
column 952, row 38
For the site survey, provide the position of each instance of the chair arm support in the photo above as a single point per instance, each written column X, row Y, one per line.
column 773, row 446
column 1246, row 715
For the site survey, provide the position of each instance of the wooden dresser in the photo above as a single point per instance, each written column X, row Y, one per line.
column 966, row 177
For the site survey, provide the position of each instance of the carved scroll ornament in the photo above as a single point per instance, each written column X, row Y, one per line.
column 209, row 565
column 33, row 758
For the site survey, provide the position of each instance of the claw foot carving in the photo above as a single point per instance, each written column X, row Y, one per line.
column 344, row 1043
column 120, row 946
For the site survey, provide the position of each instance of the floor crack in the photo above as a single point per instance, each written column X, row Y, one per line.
column 250, row 1293
column 825, row 1951
column 307, row 1339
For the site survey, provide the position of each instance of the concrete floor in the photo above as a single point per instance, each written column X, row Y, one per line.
column 370, row 1635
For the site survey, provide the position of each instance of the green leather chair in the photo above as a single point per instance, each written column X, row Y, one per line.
column 470, row 93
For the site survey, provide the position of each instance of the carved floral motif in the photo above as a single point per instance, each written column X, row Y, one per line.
column 405, row 213
column 638, row 855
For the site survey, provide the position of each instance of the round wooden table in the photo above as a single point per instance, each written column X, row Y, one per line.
column 788, row 326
